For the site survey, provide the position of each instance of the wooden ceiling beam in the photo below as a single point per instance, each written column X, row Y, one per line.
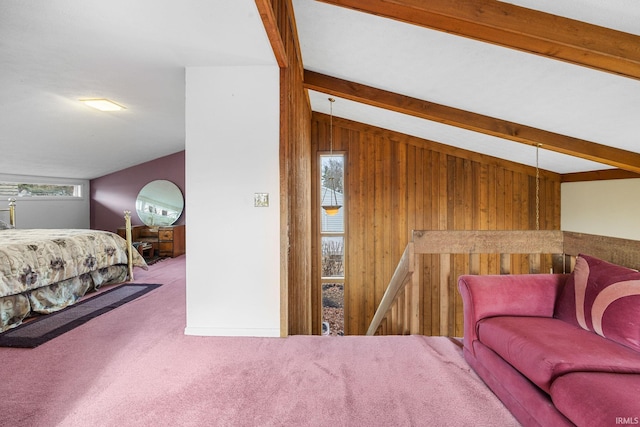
column 516, row 27
column 606, row 174
column 611, row 156
column 270, row 23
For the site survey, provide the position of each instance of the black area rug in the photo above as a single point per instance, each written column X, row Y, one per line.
column 49, row 326
column 155, row 259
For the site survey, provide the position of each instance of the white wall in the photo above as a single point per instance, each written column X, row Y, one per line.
column 609, row 208
column 232, row 152
column 48, row 212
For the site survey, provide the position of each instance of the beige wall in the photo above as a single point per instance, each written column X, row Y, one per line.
column 609, row 208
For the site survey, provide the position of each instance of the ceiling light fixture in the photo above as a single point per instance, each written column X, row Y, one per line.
column 103, row 104
column 332, row 206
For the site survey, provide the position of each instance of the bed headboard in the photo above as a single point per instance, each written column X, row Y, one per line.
column 11, row 223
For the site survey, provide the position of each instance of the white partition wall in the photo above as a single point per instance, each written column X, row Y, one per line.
column 232, row 154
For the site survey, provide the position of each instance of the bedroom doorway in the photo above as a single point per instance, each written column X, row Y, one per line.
column 332, row 242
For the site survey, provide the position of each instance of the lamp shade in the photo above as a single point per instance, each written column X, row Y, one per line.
column 331, row 210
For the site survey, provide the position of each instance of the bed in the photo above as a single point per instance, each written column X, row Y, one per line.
column 46, row 270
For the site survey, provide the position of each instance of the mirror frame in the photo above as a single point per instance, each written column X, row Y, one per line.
column 159, row 203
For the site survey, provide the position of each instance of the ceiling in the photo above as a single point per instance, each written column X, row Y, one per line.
column 477, row 77
column 54, row 52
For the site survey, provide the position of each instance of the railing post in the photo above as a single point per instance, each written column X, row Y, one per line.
column 445, row 273
column 415, row 297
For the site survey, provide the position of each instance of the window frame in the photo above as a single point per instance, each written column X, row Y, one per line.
column 80, row 187
column 321, row 233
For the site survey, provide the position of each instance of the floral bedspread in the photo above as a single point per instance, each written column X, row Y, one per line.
column 34, row 258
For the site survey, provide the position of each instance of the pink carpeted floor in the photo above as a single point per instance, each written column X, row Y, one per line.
column 134, row 366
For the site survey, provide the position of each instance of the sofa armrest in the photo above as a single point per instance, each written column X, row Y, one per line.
column 506, row 295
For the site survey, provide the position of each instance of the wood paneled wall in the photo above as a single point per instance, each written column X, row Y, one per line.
column 295, row 170
column 396, row 183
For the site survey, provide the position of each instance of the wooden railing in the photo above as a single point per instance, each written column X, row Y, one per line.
column 400, row 303
column 404, row 308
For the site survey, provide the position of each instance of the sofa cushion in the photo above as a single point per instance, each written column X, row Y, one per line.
column 604, row 298
column 543, row 348
column 598, row 398
column 528, row 403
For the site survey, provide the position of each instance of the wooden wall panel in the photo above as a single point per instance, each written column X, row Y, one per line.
column 396, row 183
column 296, row 248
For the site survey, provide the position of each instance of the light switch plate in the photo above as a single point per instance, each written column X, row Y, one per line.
column 261, row 200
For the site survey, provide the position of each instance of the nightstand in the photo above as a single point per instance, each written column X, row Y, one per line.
column 167, row 241
column 171, row 241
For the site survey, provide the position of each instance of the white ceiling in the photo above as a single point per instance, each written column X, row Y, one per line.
column 53, row 52
column 477, row 77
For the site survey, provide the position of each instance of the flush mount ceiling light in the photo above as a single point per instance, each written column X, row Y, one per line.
column 103, row 104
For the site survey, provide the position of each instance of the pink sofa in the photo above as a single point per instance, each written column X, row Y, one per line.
column 558, row 350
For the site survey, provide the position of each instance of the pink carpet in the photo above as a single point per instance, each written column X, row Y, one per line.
column 134, row 366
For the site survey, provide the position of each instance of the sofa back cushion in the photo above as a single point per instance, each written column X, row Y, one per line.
column 603, row 298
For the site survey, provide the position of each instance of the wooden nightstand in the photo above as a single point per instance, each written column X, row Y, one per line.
column 171, row 241
column 167, row 241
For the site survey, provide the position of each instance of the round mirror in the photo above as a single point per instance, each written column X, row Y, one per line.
column 159, row 203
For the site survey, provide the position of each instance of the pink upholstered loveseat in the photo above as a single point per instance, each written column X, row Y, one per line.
column 558, row 350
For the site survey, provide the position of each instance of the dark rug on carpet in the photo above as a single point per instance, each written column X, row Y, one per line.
column 153, row 260
column 38, row 331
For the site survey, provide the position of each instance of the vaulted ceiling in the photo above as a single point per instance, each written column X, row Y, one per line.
column 488, row 76
column 501, row 78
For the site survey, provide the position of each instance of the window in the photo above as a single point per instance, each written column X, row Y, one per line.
column 35, row 190
column 332, row 243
